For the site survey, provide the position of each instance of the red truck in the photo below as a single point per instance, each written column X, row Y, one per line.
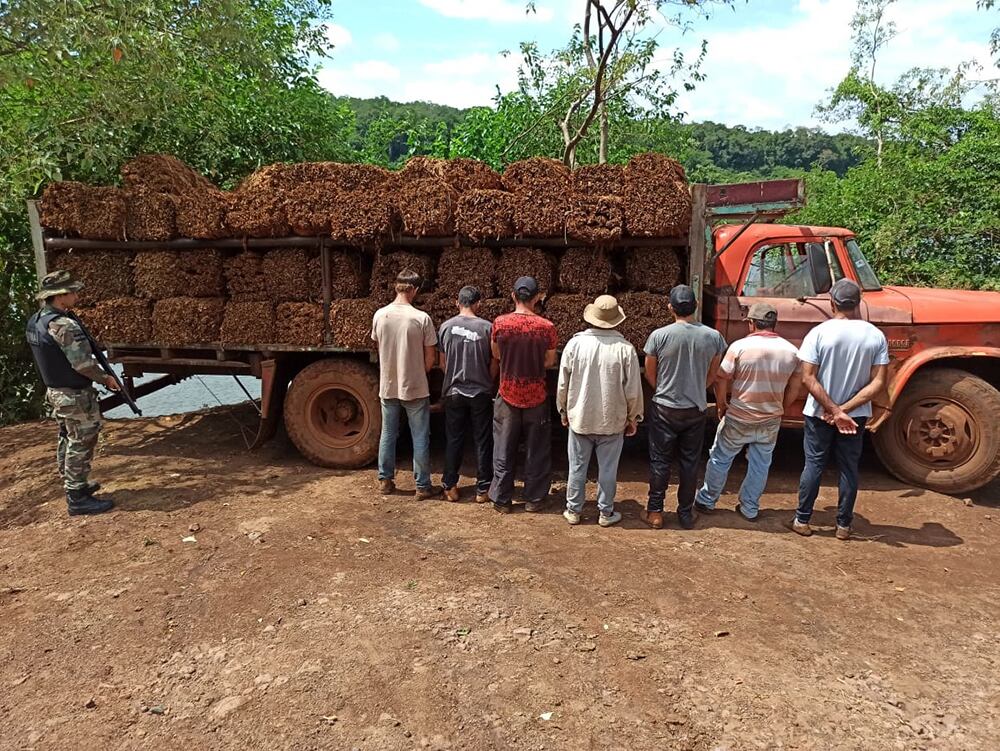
column 937, row 425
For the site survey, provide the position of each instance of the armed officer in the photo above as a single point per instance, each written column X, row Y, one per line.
column 65, row 360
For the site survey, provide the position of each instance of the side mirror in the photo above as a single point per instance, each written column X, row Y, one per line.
column 819, row 268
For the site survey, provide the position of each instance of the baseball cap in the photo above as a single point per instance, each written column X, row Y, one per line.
column 526, row 285
column 846, row 294
column 683, row 300
column 762, row 311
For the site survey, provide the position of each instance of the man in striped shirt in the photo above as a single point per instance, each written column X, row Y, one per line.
column 766, row 379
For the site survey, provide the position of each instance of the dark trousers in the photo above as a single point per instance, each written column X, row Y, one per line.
column 820, row 439
column 679, row 432
column 462, row 414
column 511, row 425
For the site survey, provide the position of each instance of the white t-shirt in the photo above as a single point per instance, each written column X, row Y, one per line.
column 845, row 352
column 401, row 333
column 760, row 365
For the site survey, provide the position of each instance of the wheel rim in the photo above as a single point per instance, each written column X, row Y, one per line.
column 337, row 416
column 939, row 433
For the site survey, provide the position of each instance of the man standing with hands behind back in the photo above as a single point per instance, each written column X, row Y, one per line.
column 682, row 360
column 843, row 366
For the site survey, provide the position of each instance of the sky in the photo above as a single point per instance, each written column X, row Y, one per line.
column 770, row 62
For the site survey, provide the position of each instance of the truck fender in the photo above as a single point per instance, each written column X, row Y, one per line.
column 911, row 365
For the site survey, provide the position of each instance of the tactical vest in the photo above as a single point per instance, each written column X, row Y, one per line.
column 52, row 363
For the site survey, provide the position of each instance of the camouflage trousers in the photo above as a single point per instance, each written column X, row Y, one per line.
column 79, row 417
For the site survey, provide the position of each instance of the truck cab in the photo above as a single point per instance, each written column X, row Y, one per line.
column 936, row 425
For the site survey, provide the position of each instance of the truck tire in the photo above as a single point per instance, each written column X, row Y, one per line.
column 943, row 433
column 333, row 414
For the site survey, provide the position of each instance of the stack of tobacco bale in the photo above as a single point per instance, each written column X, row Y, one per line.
column 351, row 322
column 657, row 198
column 187, row 320
column 429, row 191
column 518, row 262
column 124, row 320
column 584, row 271
column 187, row 288
column 596, row 214
column 541, row 189
column 105, row 273
column 364, row 211
column 88, row 211
column 166, row 198
column 248, row 322
column 652, row 269
column 459, row 267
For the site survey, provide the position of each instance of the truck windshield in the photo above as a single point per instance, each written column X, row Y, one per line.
column 865, row 273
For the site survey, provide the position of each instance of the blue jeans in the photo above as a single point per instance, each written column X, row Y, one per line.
column 818, row 442
column 759, row 439
column 609, row 451
column 418, row 415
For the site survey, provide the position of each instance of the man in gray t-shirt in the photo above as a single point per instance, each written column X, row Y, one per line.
column 469, row 383
column 681, row 361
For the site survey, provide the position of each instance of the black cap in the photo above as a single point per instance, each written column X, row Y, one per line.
column 846, row 294
column 683, row 300
column 526, row 285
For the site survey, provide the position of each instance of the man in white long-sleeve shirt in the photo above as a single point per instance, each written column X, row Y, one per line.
column 600, row 399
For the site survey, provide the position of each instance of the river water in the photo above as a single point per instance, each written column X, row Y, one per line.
column 193, row 394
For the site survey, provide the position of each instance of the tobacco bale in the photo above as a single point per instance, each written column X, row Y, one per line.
column 388, row 265
column 595, row 220
column 644, row 313
column 657, row 197
column 351, row 322
column 245, row 279
column 566, row 312
column 149, row 215
column 540, row 214
column 462, row 174
column 362, row 216
column 258, row 203
column 163, row 173
column 300, row 324
column 105, row 273
column 310, row 195
column 427, row 207
column 187, row 320
column 161, row 274
column 248, row 323
column 118, row 320
column 518, row 262
column 496, row 306
column 537, row 174
column 585, row 271
column 88, row 211
column 652, row 269
column 347, row 278
column 360, row 177
column 286, row 274
column 595, row 180
column 458, row 267
column 485, row 214
column 201, row 213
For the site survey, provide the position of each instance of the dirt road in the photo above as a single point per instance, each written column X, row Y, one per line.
column 253, row 601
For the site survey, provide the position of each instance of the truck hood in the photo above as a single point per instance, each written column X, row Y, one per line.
column 940, row 305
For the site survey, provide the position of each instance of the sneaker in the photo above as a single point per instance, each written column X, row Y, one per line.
column 423, row 494
column 613, row 518
column 386, row 487
column 503, row 508
column 653, row 518
column 482, row 497
column 451, row 494
column 739, row 510
column 703, row 509
column 571, row 516
column 533, row 507
column 801, row 528
column 843, row 533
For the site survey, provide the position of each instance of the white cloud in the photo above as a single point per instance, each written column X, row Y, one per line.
column 368, row 78
column 337, row 35
column 501, row 11
column 386, row 42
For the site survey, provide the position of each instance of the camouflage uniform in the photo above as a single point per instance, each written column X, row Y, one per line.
column 75, row 410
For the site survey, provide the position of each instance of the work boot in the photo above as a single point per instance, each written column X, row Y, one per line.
column 482, row 497
column 386, row 487
column 451, row 494
column 533, row 507
column 503, row 508
column 423, row 494
column 81, row 502
column 686, row 519
column 654, row 519
column 843, row 533
column 801, row 528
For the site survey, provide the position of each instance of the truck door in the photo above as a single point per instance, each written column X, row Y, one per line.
column 778, row 273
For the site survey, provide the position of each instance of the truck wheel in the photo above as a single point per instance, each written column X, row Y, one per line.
column 943, row 433
column 333, row 415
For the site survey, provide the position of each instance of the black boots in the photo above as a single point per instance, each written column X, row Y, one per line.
column 82, row 502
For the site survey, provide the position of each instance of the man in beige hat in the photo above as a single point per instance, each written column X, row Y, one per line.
column 65, row 361
column 599, row 397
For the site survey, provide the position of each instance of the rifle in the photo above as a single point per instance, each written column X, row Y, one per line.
column 102, row 361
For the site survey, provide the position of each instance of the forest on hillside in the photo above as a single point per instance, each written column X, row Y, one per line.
column 230, row 85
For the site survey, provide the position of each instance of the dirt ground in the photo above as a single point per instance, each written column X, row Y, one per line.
column 240, row 600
